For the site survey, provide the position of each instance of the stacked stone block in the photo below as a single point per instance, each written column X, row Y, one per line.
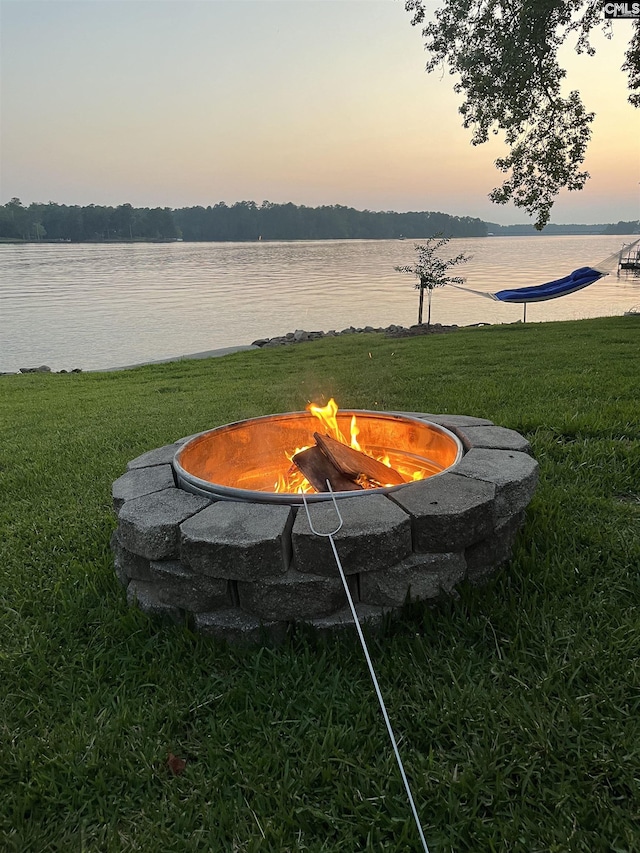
column 246, row 571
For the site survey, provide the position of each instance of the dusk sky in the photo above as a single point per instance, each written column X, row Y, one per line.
column 178, row 103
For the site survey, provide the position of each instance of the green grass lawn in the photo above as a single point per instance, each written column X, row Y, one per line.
column 516, row 706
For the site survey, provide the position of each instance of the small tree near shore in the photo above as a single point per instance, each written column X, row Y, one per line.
column 431, row 271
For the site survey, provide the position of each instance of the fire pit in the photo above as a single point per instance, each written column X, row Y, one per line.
column 257, row 460
column 210, row 530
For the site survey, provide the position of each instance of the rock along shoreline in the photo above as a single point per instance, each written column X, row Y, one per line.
column 298, row 337
column 392, row 331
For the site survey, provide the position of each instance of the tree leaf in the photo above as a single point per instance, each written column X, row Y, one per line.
column 176, row 765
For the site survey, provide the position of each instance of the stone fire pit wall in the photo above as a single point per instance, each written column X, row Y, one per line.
column 245, row 571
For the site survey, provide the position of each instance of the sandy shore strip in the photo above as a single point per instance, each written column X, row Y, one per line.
column 297, row 337
column 300, row 336
column 211, row 353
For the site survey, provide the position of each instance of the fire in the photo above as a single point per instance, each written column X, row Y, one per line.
column 328, row 417
column 293, row 481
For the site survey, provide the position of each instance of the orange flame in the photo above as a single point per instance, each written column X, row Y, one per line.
column 327, row 415
column 293, row 481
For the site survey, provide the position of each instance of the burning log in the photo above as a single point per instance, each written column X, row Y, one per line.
column 354, row 463
column 318, row 468
column 342, row 466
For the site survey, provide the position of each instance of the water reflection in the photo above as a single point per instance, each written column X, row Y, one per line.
column 95, row 306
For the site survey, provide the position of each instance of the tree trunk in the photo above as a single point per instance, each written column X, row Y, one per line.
column 429, row 307
column 421, row 303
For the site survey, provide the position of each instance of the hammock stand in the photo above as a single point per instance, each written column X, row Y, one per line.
column 582, row 277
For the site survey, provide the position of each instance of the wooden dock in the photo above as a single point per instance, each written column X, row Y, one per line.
column 629, row 260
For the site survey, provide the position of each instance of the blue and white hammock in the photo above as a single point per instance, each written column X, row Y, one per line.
column 582, row 277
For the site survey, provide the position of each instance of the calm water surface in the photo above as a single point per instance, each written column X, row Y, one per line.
column 101, row 306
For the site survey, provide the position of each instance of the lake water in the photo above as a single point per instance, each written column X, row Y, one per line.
column 102, row 306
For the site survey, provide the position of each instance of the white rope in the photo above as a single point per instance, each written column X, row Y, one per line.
column 329, row 536
column 605, row 267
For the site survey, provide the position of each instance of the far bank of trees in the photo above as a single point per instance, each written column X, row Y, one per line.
column 247, row 221
column 244, row 220
column 83, row 224
column 622, row 227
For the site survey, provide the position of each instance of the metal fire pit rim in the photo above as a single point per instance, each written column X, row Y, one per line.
column 208, row 489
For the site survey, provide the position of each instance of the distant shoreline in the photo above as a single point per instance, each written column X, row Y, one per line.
column 290, row 338
column 11, row 241
column 297, row 337
column 247, row 221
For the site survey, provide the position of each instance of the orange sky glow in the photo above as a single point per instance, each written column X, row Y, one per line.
column 178, row 103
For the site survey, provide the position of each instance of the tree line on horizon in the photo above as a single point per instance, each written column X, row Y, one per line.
column 247, row 221
column 244, row 220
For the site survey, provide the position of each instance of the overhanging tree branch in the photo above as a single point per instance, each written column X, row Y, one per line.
column 505, row 56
